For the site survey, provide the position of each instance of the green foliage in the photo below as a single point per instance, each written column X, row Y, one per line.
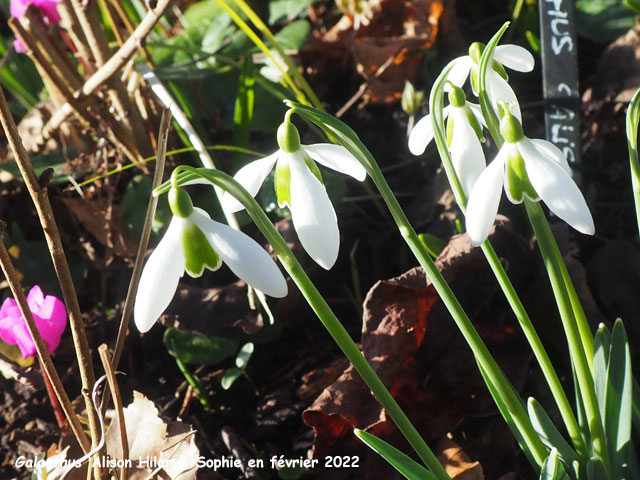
column 603, row 20
column 552, row 469
column 133, row 206
column 408, row 467
column 242, row 360
column 192, row 347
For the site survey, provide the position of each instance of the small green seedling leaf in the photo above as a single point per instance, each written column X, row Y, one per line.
column 433, row 244
column 229, row 377
column 244, row 355
column 402, row 463
column 549, row 434
column 618, row 401
column 552, row 469
column 192, row 347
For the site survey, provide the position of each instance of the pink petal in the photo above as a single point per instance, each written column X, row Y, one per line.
column 18, row 7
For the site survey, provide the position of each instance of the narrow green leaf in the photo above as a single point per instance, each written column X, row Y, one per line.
column 244, row 355
column 601, row 349
column 618, row 401
column 192, row 347
column 552, row 469
column 230, row 376
column 596, row 470
column 549, row 434
column 243, row 112
column 408, row 467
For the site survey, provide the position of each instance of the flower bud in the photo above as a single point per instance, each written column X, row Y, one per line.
column 180, row 202
column 411, row 98
column 288, row 137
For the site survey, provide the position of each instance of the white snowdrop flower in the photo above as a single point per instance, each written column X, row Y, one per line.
column 298, row 185
column 535, row 169
column 192, row 243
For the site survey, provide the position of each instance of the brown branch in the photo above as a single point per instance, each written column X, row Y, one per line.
column 52, row 236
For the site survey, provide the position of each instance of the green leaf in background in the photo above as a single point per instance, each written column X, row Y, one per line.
column 433, row 244
column 286, row 9
column 192, row 347
column 633, row 4
column 408, row 467
column 242, row 360
column 294, row 35
column 603, row 20
column 618, row 399
column 55, row 160
column 243, row 112
column 596, row 470
column 133, row 207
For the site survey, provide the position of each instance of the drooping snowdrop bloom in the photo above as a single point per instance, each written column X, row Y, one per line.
column 298, row 185
column 49, row 314
column 511, row 56
column 194, row 242
column 464, row 134
column 535, row 169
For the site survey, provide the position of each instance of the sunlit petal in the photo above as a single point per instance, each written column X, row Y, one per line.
column 485, row 199
column 251, row 177
column 514, row 57
column 499, row 89
column 552, row 152
column 422, row 133
column 244, row 257
column 313, row 215
column 459, row 72
column 557, row 190
column 466, row 151
column 160, row 277
column 337, row 158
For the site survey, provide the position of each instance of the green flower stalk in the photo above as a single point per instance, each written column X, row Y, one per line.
column 186, row 175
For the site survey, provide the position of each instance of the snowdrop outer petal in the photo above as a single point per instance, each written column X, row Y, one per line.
column 557, row 189
column 459, row 72
column 313, row 215
column 484, row 200
column 336, row 157
column 514, row 57
column 466, row 151
column 244, row 257
column 499, row 89
column 251, row 177
column 553, row 152
column 160, row 277
column 422, row 133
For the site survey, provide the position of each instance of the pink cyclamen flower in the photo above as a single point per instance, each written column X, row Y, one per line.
column 48, row 312
column 48, row 9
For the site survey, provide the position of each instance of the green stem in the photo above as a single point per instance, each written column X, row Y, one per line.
column 322, row 310
column 577, row 353
column 195, row 383
column 549, row 372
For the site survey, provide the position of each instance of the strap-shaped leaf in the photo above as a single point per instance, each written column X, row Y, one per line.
column 552, row 469
column 549, row 434
column 601, row 349
column 398, row 460
column 596, row 470
column 618, row 401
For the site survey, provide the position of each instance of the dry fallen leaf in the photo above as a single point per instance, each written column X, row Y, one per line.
column 456, row 462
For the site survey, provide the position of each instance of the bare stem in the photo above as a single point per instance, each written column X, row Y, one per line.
column 45, row 214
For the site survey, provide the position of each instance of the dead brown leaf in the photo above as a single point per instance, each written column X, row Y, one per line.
column 456, row 462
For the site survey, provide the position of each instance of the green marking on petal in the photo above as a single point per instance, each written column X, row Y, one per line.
column 499, row 68
column 313, row 167
column 449, row 130
column 198, row 252
column 282, row 181
column 518, row 183
column 475, row 124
